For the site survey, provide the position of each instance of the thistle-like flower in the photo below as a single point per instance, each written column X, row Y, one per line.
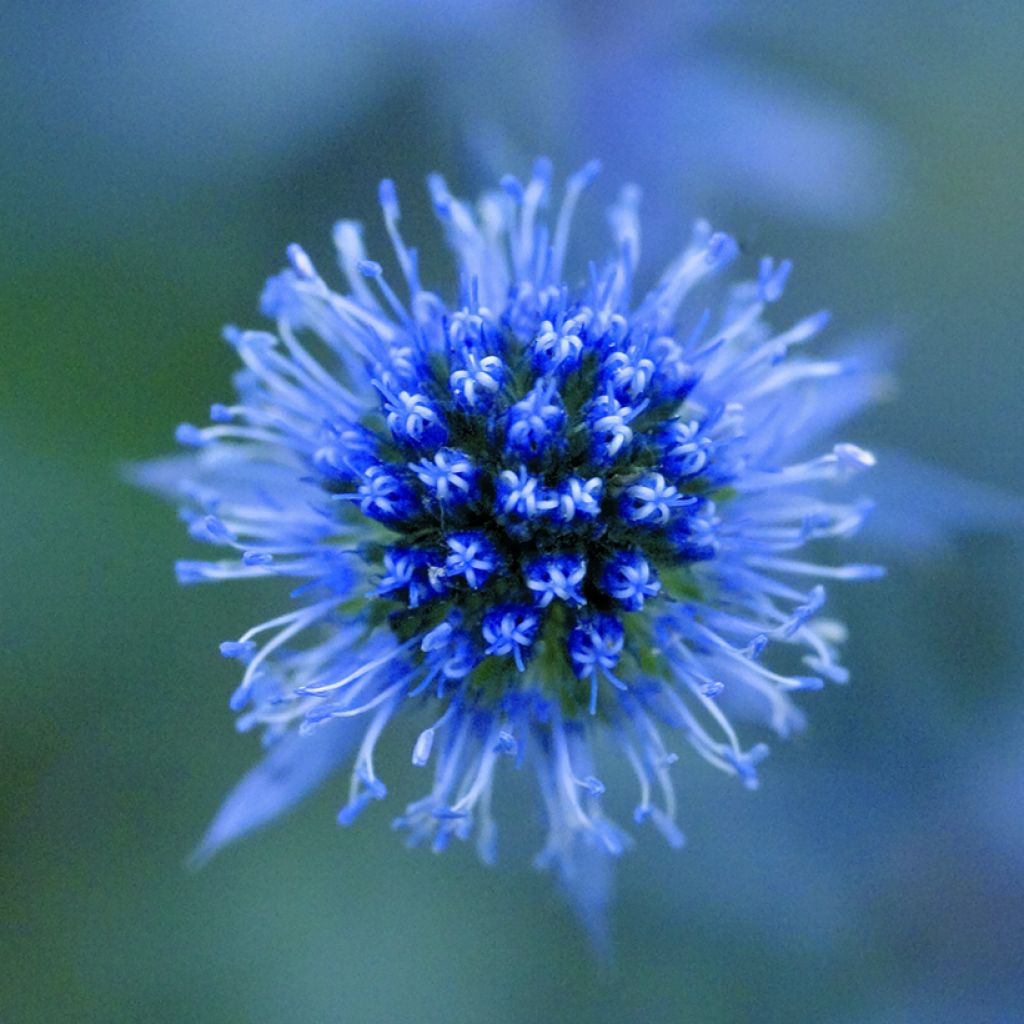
column 526, row 513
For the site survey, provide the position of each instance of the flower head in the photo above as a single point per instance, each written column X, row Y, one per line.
column 529, row 511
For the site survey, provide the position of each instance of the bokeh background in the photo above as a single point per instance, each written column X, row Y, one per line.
column 157, row 157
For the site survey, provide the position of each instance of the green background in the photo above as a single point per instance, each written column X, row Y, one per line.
column 157, row 159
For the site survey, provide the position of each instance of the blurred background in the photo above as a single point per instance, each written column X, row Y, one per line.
column 157, row 158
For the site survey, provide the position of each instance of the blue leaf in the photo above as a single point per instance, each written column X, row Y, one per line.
column 290, row 771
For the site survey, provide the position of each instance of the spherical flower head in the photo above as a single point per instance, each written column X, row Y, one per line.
column 527, row 509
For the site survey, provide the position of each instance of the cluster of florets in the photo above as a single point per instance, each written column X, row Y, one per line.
column 540, row 469
column 542, row 509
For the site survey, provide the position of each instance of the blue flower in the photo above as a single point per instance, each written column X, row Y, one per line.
column 631, row 579
column 529, row 512
column 473, row 557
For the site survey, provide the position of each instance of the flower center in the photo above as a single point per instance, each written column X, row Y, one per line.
column 539, row 484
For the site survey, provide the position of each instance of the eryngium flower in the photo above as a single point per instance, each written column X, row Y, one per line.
column 529, row 512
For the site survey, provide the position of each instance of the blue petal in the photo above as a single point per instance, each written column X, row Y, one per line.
column 926, row 507
column 866, row 379
column 229, row 475
column 812, row 155
column 291, row 770
column 586, row 878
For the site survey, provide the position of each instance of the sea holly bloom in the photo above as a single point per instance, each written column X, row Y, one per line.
column 523, row 510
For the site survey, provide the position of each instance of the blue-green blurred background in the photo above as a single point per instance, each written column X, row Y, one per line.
column 157, row 157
